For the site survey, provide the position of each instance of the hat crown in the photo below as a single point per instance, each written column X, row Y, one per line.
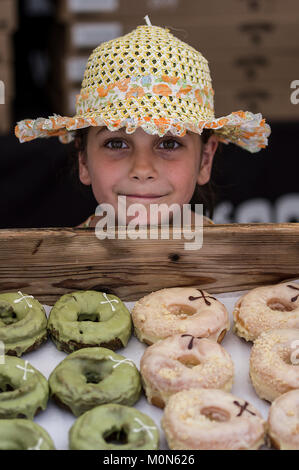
column 146, row 50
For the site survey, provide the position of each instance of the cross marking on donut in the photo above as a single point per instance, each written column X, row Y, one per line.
column 190, row 345
column 109, row 301
column 123, row 361
column 293, row 299
column 243, row 408
column 144, row 427
column 25, row 369
column 23, row 297
column 202, row 296
column 37, row 446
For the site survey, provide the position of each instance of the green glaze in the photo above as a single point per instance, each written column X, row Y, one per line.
column 22, row 392
column 89, row 377
column 113, row 427
column 21, row 326
column 22, row 434
column 80, row 320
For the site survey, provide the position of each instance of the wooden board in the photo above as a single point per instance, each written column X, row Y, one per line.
column 48, row 263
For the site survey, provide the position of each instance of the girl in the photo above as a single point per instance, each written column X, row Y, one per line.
column 144, row 126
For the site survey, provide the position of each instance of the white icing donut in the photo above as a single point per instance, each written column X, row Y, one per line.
column 181, row 362
column 274, row 363
column 210, row 419
column 265, row 308
column 283, row 421
column 179, row 310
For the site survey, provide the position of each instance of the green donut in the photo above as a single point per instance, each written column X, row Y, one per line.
column 89, row 318
column 94, row 376
column 114, row 427
column 23, row 323
column 22, row 434
column 24, row 390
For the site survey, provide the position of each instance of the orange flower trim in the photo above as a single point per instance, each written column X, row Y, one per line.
column 172, row 80
column 162, row 89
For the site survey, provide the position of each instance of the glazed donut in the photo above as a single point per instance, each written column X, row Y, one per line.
column 210, row 419
column 89, row 318
column 23, row 434
column 114, row 427
column 265, row 308
column 94, row 376
column 283, row 421
column 181, row 362
column 179, row 310
column 25, row 390
column 274, row 364
column 23, row 323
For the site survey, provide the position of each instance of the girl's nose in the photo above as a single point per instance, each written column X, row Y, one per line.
column 142, row 166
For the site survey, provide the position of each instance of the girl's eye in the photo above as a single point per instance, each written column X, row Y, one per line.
column 116, row 144
column 170, row 144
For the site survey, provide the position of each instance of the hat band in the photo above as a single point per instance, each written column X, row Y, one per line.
column 141, row 86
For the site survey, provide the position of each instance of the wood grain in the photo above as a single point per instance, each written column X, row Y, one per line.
column 48, row 263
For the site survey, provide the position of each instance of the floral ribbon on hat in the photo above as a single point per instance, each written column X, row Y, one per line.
column 145, row 85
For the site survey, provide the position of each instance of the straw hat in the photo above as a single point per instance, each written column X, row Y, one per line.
column 150, row 79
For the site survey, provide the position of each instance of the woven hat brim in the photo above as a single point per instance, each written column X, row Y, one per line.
column 242, row 128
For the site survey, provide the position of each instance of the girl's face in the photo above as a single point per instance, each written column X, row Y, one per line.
column 145, row 168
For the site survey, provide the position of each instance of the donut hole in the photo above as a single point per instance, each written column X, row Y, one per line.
column 93, row 377
column 214, row 413
column 7, row 314
column 116, row 436
column 189, row 360
column 280, row 305
column 181, row 310
column 95, row 317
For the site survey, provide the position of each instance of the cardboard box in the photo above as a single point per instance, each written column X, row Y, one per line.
column 214, row 34
column 271, row 98
column 69, row 10
column 8, row 15
column 263, row 64
column 5, row 47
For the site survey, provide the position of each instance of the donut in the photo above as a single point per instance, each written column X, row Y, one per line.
column 211, row 419
column 23, row 434
column 283, row 421
column 179, row 310
column 23, row 323
column 266, row 308
column 89, row 318
column 181, row 362
column 114, row 427
column 94, row 376
column 24, row 390
column 273, row 363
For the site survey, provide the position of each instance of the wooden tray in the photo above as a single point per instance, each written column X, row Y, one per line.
column 50, row 262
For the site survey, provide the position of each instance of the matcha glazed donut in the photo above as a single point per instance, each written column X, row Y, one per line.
column 23, row 323
column 89, row 318
column 114, row 427
column 24, row 390
column 22, row 434
column 94, row 376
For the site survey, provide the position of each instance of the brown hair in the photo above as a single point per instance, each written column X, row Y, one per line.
column 202, row 194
